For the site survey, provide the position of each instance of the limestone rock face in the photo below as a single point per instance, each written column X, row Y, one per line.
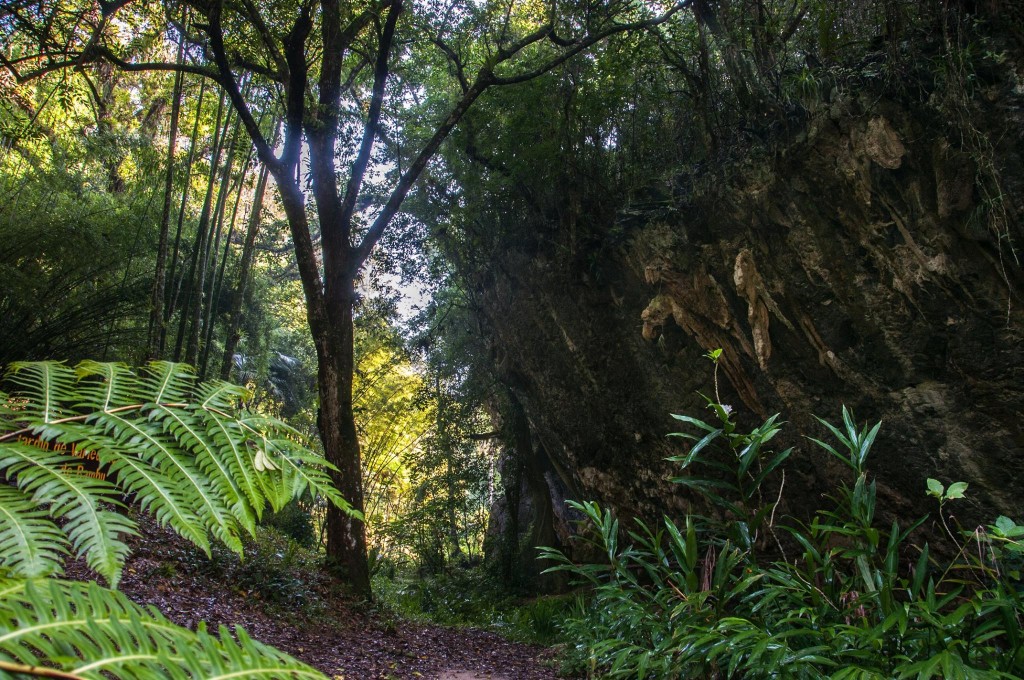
column 859, row 266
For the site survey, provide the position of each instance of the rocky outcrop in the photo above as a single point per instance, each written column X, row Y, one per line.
column 864, row 263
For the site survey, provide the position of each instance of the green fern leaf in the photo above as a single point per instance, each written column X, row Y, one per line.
column 229, row 438
column 164, row 382
column 152, row 445
column 302, row 471
column 220, row 396
column 30, row 544
column 92, row 632
column 53, row 482
column 42, row 382
column 174, row 444
column 162, row 495
column 114, row 386
column 191, row 431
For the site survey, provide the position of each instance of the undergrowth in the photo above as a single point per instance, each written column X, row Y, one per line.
column 709, row 597
column 277, row 572
column 472, row 598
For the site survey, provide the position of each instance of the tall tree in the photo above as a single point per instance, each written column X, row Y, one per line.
column 241, row 291
column 157, row 328
column 327, row 66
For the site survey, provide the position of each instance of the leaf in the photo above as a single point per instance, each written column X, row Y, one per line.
column 77, row 501
column 95, row 633
column 190, row 466
column 1007, row 528
column 714, row 354
column 42, row 382
column 935, row 488
column 956, row 490
column 695, row 450
column 775, row 462
column 694, row 421
column 30, row 544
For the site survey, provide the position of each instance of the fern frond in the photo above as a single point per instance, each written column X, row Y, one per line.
column 165, row 382
column 53, row 482
column 302, row 471
column 173, row 444
column 162, row 495
column 47, row 385
column 93, row 632
column 230, row 440
column 103, row 387
column 150, row 443
column 220, row 395
column 189, row 430
column 30, row 543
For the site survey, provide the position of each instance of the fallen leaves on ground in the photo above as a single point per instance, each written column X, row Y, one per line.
column 346, row 642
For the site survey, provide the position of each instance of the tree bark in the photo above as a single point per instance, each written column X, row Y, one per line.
column 157, row 328
column 193, row 294
column 240, row 295
column 174, row 290
column 208, row 315
column 346, row 535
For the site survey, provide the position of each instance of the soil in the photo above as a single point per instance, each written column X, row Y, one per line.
column 346, row 640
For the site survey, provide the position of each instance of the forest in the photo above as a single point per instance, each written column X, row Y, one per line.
column 511, row 339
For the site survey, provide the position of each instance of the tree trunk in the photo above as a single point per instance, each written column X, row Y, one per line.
column 244, row 268
column 346, row 535
column 193, row 294
column 156, row 311
column 175, row 279
column 200, row 297
column 204, row 334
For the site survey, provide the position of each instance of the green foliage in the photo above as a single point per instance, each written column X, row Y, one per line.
column 276, row 570
column 857, row 601
column 158, row 435
column 71, row 282
column 294, row 521
column 183, row 453
column 735, row 473
column 448, row 469
column 956, row 490
column 472, row 597
column 92, row 632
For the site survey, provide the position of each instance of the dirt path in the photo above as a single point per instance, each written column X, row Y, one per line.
column 347, row 643
column 353, row 646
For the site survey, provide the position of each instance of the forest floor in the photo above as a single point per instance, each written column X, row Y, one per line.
column 344, row 639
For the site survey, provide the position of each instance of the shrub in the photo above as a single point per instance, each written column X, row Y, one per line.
column 275, row 569
column 696, row 600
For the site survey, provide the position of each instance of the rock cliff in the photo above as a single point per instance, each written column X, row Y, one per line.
column 871, row 258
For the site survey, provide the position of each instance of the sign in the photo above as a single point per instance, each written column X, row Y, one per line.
column 87, row 463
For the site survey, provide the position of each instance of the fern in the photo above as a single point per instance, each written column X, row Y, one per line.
column 32, row 543
column 181, row 452
column 172, row 443
column 45, row 479
column 87, row 631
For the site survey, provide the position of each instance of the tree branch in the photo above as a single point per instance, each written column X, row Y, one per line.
column 590, row 41
column 485, row 79
column 455, row 60
column 101, row 53
column 370, row 128
column 252, row 13
column 230, row 84
column 295, row 87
